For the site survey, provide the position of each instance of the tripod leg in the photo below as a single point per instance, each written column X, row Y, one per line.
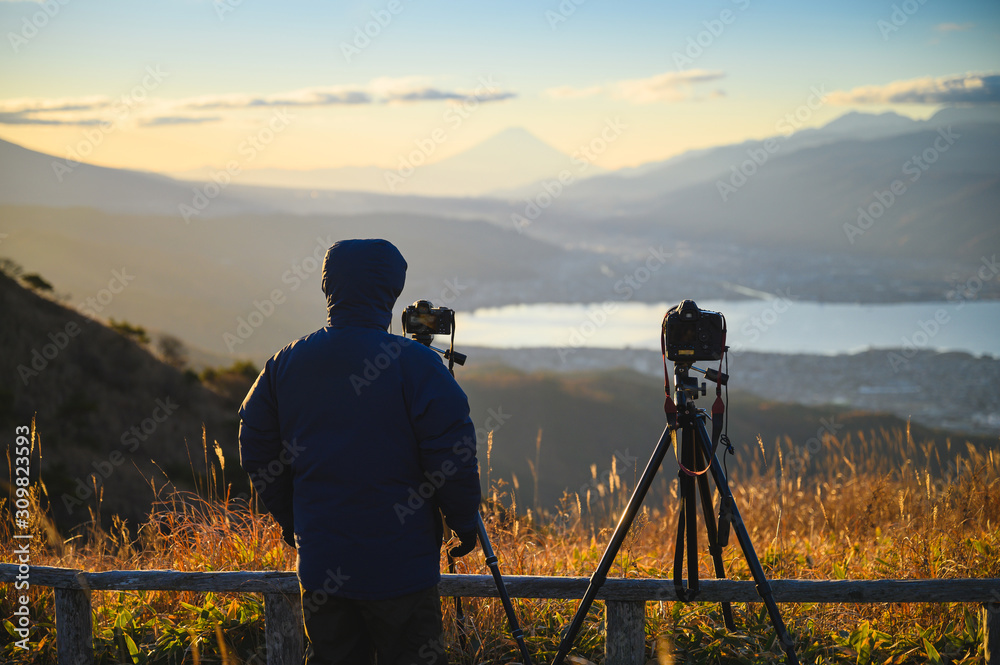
column 763, row 587
column 494, row 565
column 459, row 612
column 714, row 547
column 691, row 509
column 608, row 558
column 679, row 550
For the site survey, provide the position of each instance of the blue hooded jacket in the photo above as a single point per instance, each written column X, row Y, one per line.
column 356, row 438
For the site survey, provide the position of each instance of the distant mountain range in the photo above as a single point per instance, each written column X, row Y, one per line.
column 876, row 185
column 845, row 213
column 827, row 190
column 512, row 158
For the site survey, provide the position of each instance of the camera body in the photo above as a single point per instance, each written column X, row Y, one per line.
column 693, row 334
column 422, row 318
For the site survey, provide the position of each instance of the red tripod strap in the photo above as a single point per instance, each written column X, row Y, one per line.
column 669, row 408
column 688, row 472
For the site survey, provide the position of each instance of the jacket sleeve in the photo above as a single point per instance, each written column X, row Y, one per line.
column 439, row 411
column 261, row 449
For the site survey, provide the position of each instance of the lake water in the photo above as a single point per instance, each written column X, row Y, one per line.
column 776, row 325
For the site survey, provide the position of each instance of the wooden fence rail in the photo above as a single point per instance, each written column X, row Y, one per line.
column 625, row 598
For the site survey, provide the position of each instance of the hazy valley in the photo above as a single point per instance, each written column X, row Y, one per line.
column 233, row 271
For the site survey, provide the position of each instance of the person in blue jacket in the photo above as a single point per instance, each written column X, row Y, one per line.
column 356, row 441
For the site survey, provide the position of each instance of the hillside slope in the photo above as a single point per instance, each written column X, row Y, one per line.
column 28, row 177
column 104, row 408
column 195, row 281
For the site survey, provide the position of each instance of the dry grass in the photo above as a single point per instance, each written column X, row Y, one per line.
column 935, row 515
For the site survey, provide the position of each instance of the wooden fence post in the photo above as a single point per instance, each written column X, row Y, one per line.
column 991, row 632
column 283, row 630
column 625, row 632
column 74, row 627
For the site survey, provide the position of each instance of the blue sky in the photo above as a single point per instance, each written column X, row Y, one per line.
column 559, row 69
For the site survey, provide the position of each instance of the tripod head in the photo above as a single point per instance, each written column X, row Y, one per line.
column 689, row 384
column 422, row 321
column 449, row 354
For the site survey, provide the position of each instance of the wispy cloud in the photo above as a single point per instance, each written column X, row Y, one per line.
column 667, row 87
column 433, row 94
column 86, row 111
column 954, row 27
column 167, row 120
column 24, row 118
column 378, row 91
column 308, row 97
column 957, row 89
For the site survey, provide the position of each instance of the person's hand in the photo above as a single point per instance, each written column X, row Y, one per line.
column 288, row 535
column 469, row 540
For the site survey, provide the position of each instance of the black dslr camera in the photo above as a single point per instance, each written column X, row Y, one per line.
column 422, row 318
column 692, row 334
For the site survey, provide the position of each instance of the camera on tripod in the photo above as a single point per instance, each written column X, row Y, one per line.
column 692, row 334
column 422, row 318
column 422, row 321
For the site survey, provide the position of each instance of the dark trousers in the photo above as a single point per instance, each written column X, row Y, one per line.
column 398, row 631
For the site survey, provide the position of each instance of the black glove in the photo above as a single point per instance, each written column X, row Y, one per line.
column 288, row 535
column 469, row 540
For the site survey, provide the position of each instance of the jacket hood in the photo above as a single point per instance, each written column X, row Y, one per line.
column 362, row 280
